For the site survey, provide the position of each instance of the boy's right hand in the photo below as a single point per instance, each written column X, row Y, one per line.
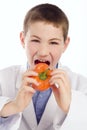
column 23, row 97
column 26, row 91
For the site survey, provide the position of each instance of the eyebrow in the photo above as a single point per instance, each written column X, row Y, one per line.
column 55, row 39
column 52, row 39
column 35, row 36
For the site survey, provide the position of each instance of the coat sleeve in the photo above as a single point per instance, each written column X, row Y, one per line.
column 7, row 93
column 11, row 122
column 76, row 118
column 3, row 101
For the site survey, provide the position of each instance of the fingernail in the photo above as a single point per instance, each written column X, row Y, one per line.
column 56, row 84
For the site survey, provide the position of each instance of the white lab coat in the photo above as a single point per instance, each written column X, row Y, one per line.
column 53, row 117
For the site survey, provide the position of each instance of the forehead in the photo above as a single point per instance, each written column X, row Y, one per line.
column 44, row 27
column 44, row 23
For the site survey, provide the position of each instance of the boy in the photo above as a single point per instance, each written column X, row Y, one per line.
column 61, row 107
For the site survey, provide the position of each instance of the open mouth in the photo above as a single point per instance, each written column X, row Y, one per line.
column 42, row 61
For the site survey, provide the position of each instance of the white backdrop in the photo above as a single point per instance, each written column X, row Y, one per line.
column 12, row 13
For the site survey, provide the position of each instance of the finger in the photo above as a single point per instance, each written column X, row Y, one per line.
column 29, row 73
column 26, row 89
column 58, row 76
column 61, row 75
column 55, row 89
column 55, row 71
column 55, row 79
column 28, row 81
column 61, row 87
column 56, row 84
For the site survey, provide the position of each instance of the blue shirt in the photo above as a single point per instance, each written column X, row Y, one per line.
column 40, row 100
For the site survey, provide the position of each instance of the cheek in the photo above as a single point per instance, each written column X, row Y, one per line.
column 30, row 51
column 56, row 53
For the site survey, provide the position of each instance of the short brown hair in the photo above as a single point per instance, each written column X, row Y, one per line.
column 48, row 13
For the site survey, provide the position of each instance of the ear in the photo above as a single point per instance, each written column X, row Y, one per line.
column 66, row 43
column 22, row 39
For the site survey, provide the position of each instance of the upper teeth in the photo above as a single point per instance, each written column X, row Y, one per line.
column 42, row 60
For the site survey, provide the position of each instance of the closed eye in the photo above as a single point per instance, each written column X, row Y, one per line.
column 35, row 40
column 54, row 43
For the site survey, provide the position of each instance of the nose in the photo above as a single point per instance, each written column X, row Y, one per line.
column 43, row 50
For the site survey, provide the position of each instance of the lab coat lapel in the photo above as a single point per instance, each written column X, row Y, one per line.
column 48, row 115
column 29, row 116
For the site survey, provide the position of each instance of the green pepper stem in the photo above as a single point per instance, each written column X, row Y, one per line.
column 43, row 75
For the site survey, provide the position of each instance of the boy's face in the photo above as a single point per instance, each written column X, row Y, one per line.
column 43, row 43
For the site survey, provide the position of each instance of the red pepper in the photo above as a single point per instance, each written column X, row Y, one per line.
column 43, row 76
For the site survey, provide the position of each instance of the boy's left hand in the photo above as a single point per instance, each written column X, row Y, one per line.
column 62, row 93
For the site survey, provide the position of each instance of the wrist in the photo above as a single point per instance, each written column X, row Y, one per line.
column 9, row 109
